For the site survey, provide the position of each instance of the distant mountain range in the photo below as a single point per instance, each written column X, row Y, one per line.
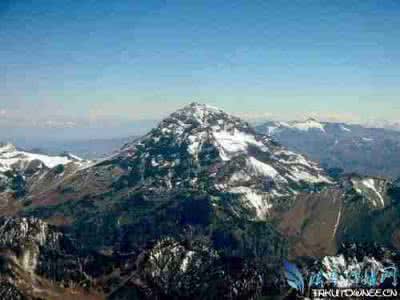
column 84, row 148
column 203, row 206
column 341, row 147
column 386, row 124
column 20, row 171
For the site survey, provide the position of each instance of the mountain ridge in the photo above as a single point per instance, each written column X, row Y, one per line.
column 201, row 205
column 343, row 147
column 203, row 141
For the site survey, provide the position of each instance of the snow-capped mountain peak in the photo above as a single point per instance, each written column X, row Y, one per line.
column 197, row 125
column 308, row 124
column 23, row 172
column 196, row 115
column 14, row 159
column 201, row 113
column 200, row 145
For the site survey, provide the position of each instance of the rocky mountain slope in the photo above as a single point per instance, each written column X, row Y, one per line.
column 39, row 262
column 22, row 173
column 341, row 147
column 12, row 159
column 201, row 207
column 204, row 150
column 201, row 147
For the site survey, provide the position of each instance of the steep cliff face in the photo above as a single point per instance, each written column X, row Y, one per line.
column 39, row 262
column 26, row 237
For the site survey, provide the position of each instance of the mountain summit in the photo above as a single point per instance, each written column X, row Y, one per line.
column 202, row 148
column 197, row 125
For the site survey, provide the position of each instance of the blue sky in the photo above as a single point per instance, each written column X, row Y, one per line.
column 85, row 60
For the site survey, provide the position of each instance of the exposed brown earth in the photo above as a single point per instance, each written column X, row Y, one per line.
column 312, row 222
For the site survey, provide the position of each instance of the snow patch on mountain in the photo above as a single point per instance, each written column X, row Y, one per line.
column 308, row 125
column 235, row 142
column 370, row 188
column 275, row 126
column 344, row 128
column 304, row 176
column 262, row 168
column 343, row 268
column 291, row 158
column 370, row 183
column 13, row 159
column 253, row 200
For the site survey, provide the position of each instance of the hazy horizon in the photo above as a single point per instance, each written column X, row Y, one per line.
column 91, row 68
column 106, row 129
